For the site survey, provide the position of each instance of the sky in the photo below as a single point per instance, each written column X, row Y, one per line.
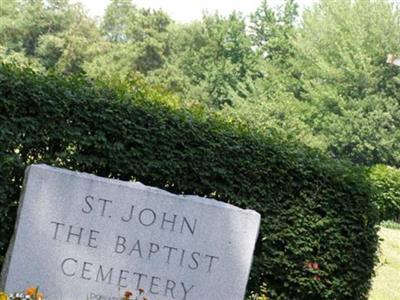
column 189, row 10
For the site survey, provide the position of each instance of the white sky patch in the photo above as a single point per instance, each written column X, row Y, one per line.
column 190, row 10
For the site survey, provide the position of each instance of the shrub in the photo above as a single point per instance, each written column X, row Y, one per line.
column 390, row 225
column 318, row 236
column 385, row 181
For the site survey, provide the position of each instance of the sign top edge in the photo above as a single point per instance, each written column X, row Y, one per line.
column 137, row 184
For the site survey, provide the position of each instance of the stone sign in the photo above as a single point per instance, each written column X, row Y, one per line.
column 79, row 236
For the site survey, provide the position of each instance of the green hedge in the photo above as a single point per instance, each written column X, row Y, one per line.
column 385, row 181
column 318, row 236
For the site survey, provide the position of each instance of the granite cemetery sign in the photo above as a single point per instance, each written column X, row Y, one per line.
column 79, row 236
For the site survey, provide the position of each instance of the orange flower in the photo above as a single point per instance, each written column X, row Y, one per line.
column 141, row 290
column 128, row 294
column 33, row 291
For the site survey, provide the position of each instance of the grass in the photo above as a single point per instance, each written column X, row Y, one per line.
column 386, row 284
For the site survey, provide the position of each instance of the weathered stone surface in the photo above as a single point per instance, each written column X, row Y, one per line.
column 79, row 236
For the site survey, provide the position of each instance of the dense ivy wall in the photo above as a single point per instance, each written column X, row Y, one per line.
column 318, row 238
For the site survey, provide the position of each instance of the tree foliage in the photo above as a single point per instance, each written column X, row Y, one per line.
column 386, row 191
column 319, row 78
column 341, row 52
column 54, row 33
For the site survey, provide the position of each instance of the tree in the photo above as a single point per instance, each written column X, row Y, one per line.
column 54, row 32
column 268, row 102
column 137, row 40
column 216, row 55
column 116, row 20
column 341, row 54
column 67, row 51
column 272, row 31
